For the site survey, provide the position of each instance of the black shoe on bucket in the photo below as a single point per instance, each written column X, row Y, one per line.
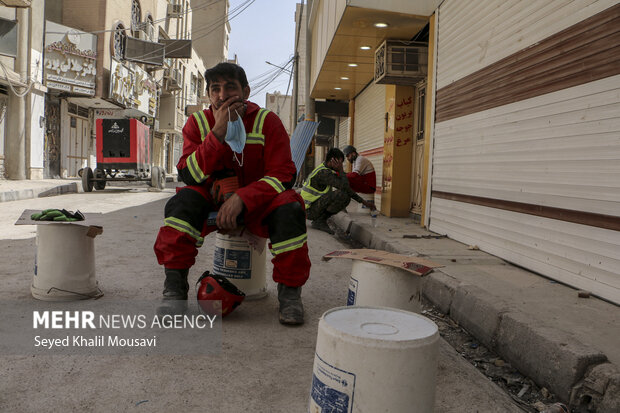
column 174, row 300
column 321, row 225
column 291, row 308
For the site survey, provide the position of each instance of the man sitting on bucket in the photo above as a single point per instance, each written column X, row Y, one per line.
column 362, row 178
column 236, row 134
column 321, row 201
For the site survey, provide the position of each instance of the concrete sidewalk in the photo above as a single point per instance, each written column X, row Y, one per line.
column 568, row 344
column 14, row 190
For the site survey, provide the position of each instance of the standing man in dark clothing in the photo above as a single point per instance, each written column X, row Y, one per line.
column 249, row 142
column 321, row 201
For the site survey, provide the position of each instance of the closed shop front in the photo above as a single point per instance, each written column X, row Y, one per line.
column 368, row 129
column 526, row 159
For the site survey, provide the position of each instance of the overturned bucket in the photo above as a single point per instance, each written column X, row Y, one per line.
column 64, row 268
column 384, row 286
column 372, row 359
column 244, row 266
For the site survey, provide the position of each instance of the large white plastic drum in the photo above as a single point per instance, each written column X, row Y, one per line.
column 372, row 359
column 384, row 286
column 244, row 266
column 64, row 268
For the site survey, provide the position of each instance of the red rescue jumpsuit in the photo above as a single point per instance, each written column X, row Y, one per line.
column 265, row 172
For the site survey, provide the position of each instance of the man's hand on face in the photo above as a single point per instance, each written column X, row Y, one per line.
column 339, row 165
column 236, row 105
column 228, row 213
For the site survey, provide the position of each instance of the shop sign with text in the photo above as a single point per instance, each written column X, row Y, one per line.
column 70, row 59
column 133, row 87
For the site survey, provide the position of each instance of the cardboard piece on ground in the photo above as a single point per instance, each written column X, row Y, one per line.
column 90, row 221
column 415, row 265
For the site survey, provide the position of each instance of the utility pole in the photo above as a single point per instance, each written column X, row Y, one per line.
column 295, row 111
column 16, row 143
column 309, row 100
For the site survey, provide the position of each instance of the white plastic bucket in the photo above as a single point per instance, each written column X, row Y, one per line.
column 241, row 264
column 371, row 359
column 64, row 268
column 384, row 286
column 365, row 197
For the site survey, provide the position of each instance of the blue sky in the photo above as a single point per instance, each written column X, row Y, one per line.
column 265, row 31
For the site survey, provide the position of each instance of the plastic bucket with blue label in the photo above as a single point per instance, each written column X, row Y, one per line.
column 358, row 347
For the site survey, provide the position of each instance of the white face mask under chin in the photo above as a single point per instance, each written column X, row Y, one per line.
column 235, row 133
column 237, row 159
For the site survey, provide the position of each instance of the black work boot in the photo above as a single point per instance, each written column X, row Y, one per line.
column 174, row 299
column 291, row 308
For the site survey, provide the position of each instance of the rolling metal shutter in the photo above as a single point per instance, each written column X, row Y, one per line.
column 548, row 148
column 369, row 124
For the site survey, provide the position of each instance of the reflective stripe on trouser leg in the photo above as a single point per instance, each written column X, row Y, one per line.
column 287, row 232
column 178, row 240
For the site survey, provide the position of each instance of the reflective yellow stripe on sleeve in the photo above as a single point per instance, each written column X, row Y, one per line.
column 274, row 182
column 194, row 168
column 203, row 124
column 256, row 136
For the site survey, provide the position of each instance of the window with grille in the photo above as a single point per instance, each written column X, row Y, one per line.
column 119, row 42
column 136, row 13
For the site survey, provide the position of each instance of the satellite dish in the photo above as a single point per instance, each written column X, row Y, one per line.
column 73, row 36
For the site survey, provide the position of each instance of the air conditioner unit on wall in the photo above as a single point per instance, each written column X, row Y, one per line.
column 172, row 80
column 175, row 10
column 401, row 62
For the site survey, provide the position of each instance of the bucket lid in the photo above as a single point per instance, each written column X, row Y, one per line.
column 380, row 323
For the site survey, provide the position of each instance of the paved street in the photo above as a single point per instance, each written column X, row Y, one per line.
column 263, row 366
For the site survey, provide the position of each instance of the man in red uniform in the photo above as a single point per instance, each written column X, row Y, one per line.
column 362, row 178
column 264, row 201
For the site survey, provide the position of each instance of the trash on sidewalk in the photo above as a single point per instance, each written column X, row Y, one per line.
column 555, row 408
column 64, row 260
column 583, row 294
column 473, row 248
column 430, row 236
column 415, row 265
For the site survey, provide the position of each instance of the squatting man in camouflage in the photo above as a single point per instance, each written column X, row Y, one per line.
column 326, row 191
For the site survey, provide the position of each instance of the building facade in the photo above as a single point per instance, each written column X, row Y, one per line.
column 22, row 94
column 103, row 59
column 495, row 123
column 281, row 105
